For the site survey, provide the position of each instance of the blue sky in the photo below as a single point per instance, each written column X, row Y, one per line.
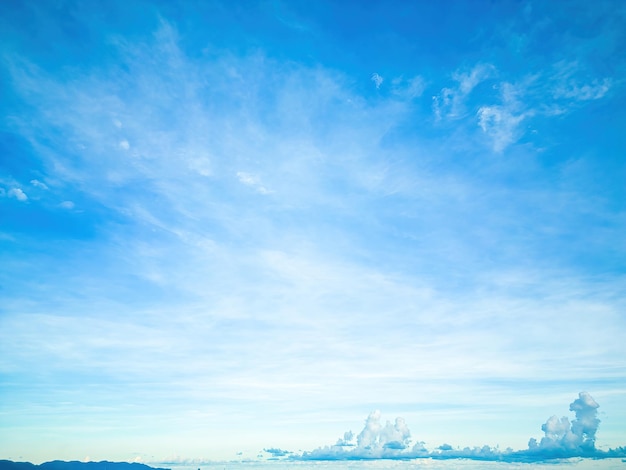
column 229, row 226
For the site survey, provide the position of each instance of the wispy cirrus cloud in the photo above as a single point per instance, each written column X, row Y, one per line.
column 502, row 122
column 252, row 181
column 501, row 113
column 450, row 103
column 38, row 184
column 571, row 83
column 377, row 79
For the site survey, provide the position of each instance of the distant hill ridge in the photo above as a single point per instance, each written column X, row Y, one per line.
column 75, row 465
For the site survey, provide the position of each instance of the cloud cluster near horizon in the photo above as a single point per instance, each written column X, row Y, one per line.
column 393, row 441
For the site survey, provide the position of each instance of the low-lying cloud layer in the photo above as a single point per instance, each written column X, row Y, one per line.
column 562, row 439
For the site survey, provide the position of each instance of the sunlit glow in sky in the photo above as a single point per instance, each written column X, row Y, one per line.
column 233, row 226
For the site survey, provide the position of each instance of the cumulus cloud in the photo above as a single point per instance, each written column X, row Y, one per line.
column 391, row 436
column 18, row 194
column 369, row 435
column 586, row 423
column 578, row 437
column 348, row 436
column 562, row 439
column 276, row 452
column 374, row 441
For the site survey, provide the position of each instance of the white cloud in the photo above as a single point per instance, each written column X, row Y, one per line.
column 346, row 440
column 253, row 181
column 500, row 116
column 247, row 178
column 374, row 441
column 18, row 194
column 124, row 144
column 370, row 434
column 500, row 124
column 570, row 81
column 67, row 205
column 38, row 184
column 583, row 91
column 201, row 165
column 586, row 423
column 451, row 101
column 572, row 439
column 377, row 79
column 468, row 80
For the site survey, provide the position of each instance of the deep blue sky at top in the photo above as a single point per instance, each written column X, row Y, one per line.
column 406, row 38
column 410, row 38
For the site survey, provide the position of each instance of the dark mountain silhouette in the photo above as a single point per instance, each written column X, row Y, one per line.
column 9, row 465
column 74, row 465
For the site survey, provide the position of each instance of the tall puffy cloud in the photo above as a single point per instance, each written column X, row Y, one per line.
column 374, row 441
column 391, row 436
column 586, row 423
column 368, row 437
column 578, row 437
